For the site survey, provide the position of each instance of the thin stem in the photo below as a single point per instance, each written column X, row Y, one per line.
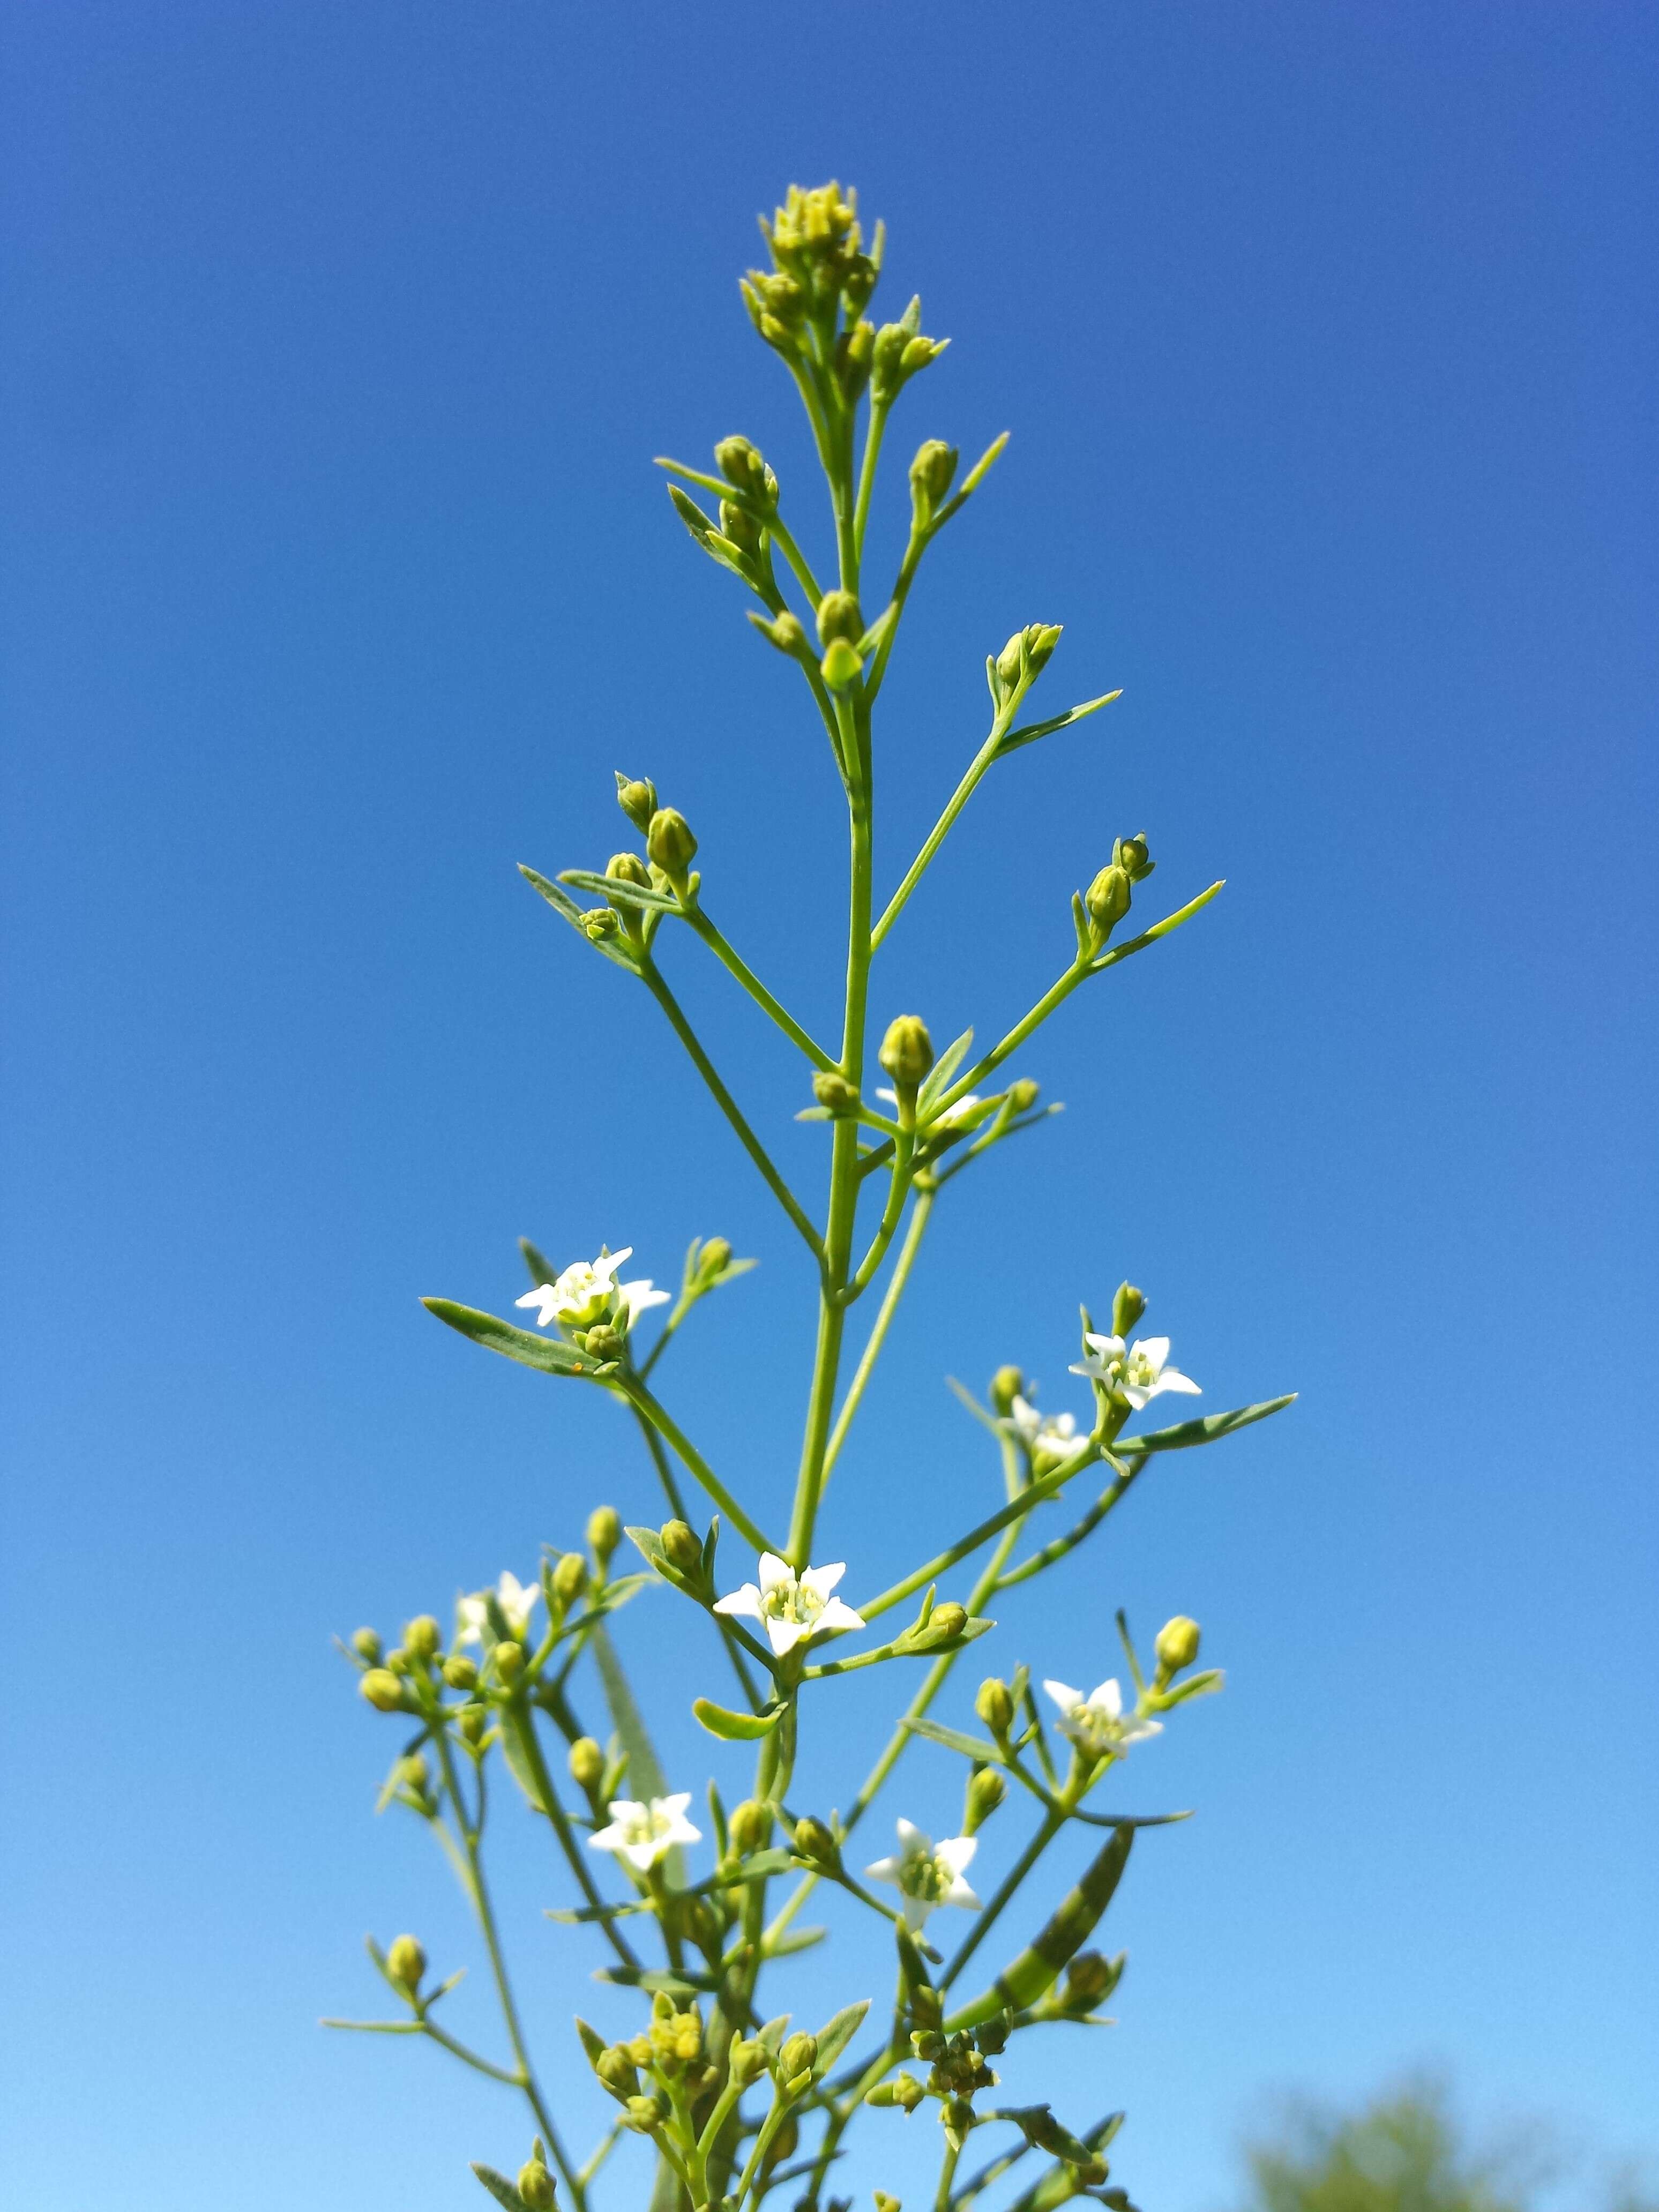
column 521, row 1720
column 470, row 2057
column 981, row 1928
column 895, row 1288
column 792, row 553
column 947, row 2175
column 652, row 976
column 1061, row 1545
column 1016, row 1509
column 936, row 836
column 898, row 1190
column 873, row 435
column 757, row 991
column 729, row 1632
column 694, row 1461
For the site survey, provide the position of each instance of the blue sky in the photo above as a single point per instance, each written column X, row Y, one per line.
column 337, row 580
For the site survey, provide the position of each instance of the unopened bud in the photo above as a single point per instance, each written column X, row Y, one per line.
column 510, row 1662
column 907, row 1051
column 931, row 473
column 569, row 1578
column 682, row 1547
column 1127, row 1306
column 947, row 1619
column 1132, row 857
column 670, row 843
column 397, row 1660
column 414, row 1773
column 786, row 632
column 1022, row 1095
column 749, row 1827
column 985, row 1793
column 405, row 1962
column 920, row 352
column 366, row 1643
column 1177, row 1644
column 637, row 798
column 841, row 665
column 745, row 2060
column 814, row 1841
column 1108, row 899
column 834, row 1092
column 604, row 1532
column 616, row 2070
column 472, row 1723
column 994, row 1705
column 903, row 2090
column 1087, row 1980
column 599, row 922
column 886, row 2204
column 713, row 1260
column 382, row 1689
column 739, row 527
column 586, row 1763
column 799, row 2055
column 535, row 2187
column 839, row 617
column 423, row 1637
column 1006, row 1384
column 460, row 1671
column 741, row 464
column 646, row 2114
column 603, row 1342
column 628, row 868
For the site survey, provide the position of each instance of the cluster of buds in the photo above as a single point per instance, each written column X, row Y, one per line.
column 818, row 266
column 588, row 1306
column 1108, row 897
column 958, row 2067
column 1021, row 661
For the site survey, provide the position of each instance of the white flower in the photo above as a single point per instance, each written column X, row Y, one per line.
column 926, row 1874
column 588, row 1293
column 940, row 1120
column 1048, row 1441
column 790, row 1607
column 642, row 1833
column 517, row 1600
column 1140, row 1373
column 1099, row 1722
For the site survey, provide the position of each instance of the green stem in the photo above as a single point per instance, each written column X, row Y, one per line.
column 898, row 1189
column 1057, row 1550
column 873, row 435
column 694, row 1461
column 937, row 835
column 729, row 1634
column 792, row 555
column 1016, row 1510
column 757, row 991
column 947, row 2175
column 896, row 1283
column 520, row 1718
column 981, row 1928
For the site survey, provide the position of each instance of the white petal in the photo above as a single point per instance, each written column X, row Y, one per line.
column 884, row 1869
column 1108, row 1699
column 1136, row 1396
column 1108, row 1348
column 1173, row 1379
column 1094, row 1368
column 774, row 1571
column 1063, row 1696
column 783, row 1635
column 916, row 1909
column 682, row 1832
column 891, row 1096
column 913, row 1842
column 1154, row 1348
column 821, row 1580
column 959, row 1894
column 608, row 1262
column 955, row 1852
column 606, row 1839
column 641, row 1297
column 674, row 1806
column 745, row 1602
column 627, row 1808
column 644, row 1855
column 837, row 1618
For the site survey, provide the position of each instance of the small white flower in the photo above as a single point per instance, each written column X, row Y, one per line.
column 517, row 1600
column 926, row 1874
column 962, row 1106
column 1138, row 1373
column 1098, row 1723
column 1047, row 1440
column 792, row 1608
column 642, row 1834
column 588, row 1293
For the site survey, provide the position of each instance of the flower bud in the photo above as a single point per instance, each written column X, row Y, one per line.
column 637, row 798
column 741, row 464
column 750, row 1828
column 927, row 2006
column 920, row 352
column 604, row 1532
column 460, row 1671
column 682, row 1547
column 886, row 373
column 786, row 632
column 1108, row 899
column 799, row 2055
column 854, row 350
column 472, row 1723
column 841, row 665
column 985, row 1793
column 382, row 1689
column 1088, row 1978
column 1091, row 2171
column 834, row 1092
column 616, row 2070
column 510, row 1662
column 535, row 2187
column 886, row 2204
column 670, row 843
column 366, row 1643
column 586, row 1763
column 903, row 2090
column 599, row 922
column 569, row 1578
column 839, row 617
column 746, row 2060
column 1006, row 1384
column 931, row 475
column 1132, row 856
column 1022, row 1094
column 606, row 1341
column 628, row 868
column 646, row 2114
column 815, row 1843
column 397, row 1660
column 405, row 1962
column 947, row 1620
column 907, row 1051
column 713, row 1262
column 414, row 1773
column 1127, row 1307
column 740, row 528
column 423, row 1637
column 1178, row 1645
column 995, row 1705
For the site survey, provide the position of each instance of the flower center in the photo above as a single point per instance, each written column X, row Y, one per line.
column 794, row 1602
column 924, row 1877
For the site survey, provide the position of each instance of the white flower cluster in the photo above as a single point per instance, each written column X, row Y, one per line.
column 588, row 1296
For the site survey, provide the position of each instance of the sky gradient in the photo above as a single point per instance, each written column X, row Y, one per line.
column 337, row 580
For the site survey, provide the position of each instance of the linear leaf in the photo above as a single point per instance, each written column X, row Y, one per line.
column 939, row 1074
column 499, row 2187
column 971, row 1747
column 1030, row 732
column 550, row 1354
column 614, row 887
column 567, row 910
column 645, row 1774
column 1204, row 1432
column 836, row 2034
column 734, row 1728
column 541, row 1269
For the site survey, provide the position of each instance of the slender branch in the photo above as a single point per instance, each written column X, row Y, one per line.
column 872, row 436
column 1059, row 1547
column 731, row 1636
column 898, row 1190
column 958, row 798
column 896, row 1283
column 670, row 1431
column 519, row 1717
column 1016, row 1509
column 1051, row 1827
column 757, row 991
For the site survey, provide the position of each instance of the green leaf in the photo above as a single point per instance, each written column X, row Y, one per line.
column 550, row 1354
column 1032, row 732
column 683, row 1982
column 794, row 1939
column 541, row 1269
column 939, row 1074
column 499, row 2187
column 836, row 2034
column 513, row 1751
column 648, row 1544
column 1204, row 1432
column 735, row 1728
column 612, row 887
column 614, row 948
column 760, row 1866
column 645, row 1774
column 971, row 1747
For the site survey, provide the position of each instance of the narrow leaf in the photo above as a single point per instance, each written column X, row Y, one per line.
column 1204, row 1432
column 971, row 1747
column 645, row 1774
column 541, row 1269
column 614, row 948
column 1030, row 732
column 939, row 1074
column 551, row 1355
column 836, row 2034
column 734, row 1728
column 499, row 2187
column 613, row 887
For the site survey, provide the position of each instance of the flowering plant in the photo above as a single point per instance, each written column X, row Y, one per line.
column 698, row 1922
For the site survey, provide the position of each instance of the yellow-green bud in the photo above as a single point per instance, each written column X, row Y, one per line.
column 834, row 1092
column 569, row 1578
column 814, row 1841
column 907, row 1051
column 713, row 1260
column 646, row 2114
column 382, row 1689
column 604, row 1532
column 1177, row 1644
column 1006, row 1384
column 740, row 528
column 1022, row 1095
column 510, row 1662
column 931, row 473
column 853, row 352
column 750, row 1828
column 1127, row 1307
column 423, row 1637
column 985, row 1793
column 366, row 1643
column 616, row 2070
column 886, row 2204
column 405, row 1962
column 586, row 1763
column 786, row 632
column 535, row 2187
column 839, row 617
column 1108, row 899
column 472, row 1723
column 920, row 352
column 628, row 868
column 1132, row 857
column 746, row 2060
column 599, row 922
column 397, row 1660
column 799, row 2055
column 947, row 1619
column 603, row 1342
column 1088, row 1978
column 670, row 843
column 460, row 1671
column 740, row 463
column 841, row 665
column 903, row 2090
column 637, row 798
column 414, row 1773
column 994, row 1705
column 682, row 1547
column 886, row 358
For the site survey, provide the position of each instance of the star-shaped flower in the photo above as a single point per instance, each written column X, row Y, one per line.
column 1140, row 1372
column 588, row 1293
column 642, row 1833
column 1047, row 1440
column 792, row 1607
column 926, row 1874
column 517, row 1600
column 1098, row 1723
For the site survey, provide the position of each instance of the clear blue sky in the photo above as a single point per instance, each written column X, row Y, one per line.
column 337, row 580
